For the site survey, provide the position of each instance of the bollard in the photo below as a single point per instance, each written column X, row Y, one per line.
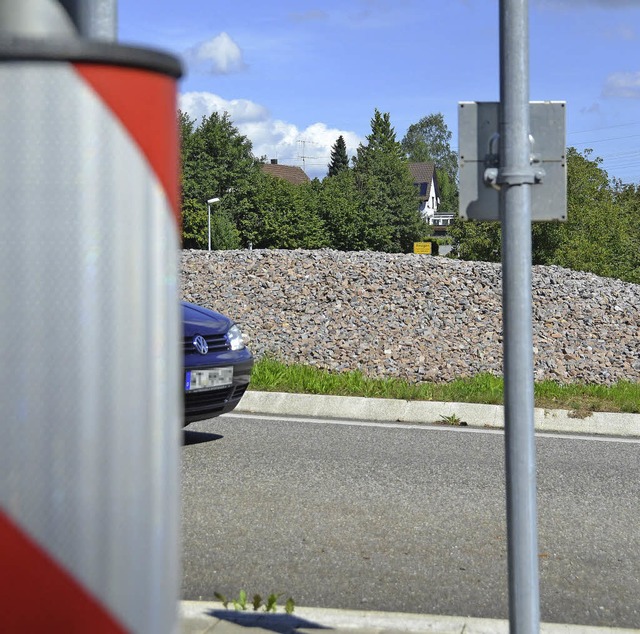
column 90, row 331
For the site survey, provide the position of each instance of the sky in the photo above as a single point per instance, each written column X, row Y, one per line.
column 294, row 75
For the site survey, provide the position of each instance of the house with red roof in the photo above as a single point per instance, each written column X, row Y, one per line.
column 294, row 175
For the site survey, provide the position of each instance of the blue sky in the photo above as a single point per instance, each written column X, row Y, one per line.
column 295, row 74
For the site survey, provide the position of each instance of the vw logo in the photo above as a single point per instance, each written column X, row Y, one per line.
column 200, row 344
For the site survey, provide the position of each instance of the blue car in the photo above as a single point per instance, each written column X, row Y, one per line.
column 217, row 364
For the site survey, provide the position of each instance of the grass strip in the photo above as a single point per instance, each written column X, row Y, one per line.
column 271, row 375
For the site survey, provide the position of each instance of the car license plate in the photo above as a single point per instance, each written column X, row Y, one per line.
column 208, row 379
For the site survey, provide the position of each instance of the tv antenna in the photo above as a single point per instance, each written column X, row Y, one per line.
column 303, row 155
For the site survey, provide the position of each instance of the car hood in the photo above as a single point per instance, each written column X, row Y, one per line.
column 199, row 320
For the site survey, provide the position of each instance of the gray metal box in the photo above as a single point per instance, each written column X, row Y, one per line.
column 477, row 124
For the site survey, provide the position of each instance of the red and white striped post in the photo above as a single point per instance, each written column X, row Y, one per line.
column 90, row 400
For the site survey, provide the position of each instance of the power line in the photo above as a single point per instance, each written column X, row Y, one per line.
column 608, row 127
column 615, row 138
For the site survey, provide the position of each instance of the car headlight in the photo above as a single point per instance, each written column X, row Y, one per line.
column 236, row 341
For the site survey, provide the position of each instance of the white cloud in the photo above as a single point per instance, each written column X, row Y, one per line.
column 273, row 138
column 217, row 56
column 202, row 104
column 623, row 84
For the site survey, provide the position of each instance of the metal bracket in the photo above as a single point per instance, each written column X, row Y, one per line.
column 492, row 161
column 496, row 177
column 535, row 159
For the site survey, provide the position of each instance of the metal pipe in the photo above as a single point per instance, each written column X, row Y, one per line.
column 515, row 177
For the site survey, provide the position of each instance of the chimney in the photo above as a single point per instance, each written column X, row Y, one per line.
column 274, row 161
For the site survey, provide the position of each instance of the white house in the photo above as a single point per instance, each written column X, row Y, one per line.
column 426, row 181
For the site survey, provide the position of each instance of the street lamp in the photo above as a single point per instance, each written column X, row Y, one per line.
column 209, row 203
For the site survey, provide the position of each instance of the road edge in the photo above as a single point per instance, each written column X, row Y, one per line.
column 429, row 412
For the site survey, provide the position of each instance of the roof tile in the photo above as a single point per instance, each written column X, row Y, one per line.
column 289, row 173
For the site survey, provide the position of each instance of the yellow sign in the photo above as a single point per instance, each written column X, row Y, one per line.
column 422, row 247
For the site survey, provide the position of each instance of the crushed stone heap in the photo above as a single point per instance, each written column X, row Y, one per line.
column 416, row 317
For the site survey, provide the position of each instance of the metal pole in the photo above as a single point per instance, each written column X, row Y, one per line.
column 515, row 177
column 209, row 203
column 94, row 19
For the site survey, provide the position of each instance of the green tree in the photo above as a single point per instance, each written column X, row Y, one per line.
column 194, row 224
column 627, row 200
column 448, row 192
column 601, row 233
column 339, row 158
column 546, row 239
column 388, row 196
column 194, row 213
column 215, row 159
column 429, row 140
column 381, row 141
column 224, row 233
column 481, row 241
column 281, row 215
column 341, row 208
column 475, row 241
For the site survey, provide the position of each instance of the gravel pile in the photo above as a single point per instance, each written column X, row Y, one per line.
column 414, row 316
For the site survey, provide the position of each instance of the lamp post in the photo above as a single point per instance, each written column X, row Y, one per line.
column 209, row 203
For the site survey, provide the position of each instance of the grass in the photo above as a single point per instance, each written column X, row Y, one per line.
column 271, row 375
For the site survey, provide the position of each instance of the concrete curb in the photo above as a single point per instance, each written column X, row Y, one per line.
column 421, row 412
column 213, row 618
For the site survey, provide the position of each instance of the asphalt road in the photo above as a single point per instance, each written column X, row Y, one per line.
column 405, row 518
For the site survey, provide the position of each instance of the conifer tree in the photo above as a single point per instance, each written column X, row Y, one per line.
column 339, row 158
column 389, row 197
